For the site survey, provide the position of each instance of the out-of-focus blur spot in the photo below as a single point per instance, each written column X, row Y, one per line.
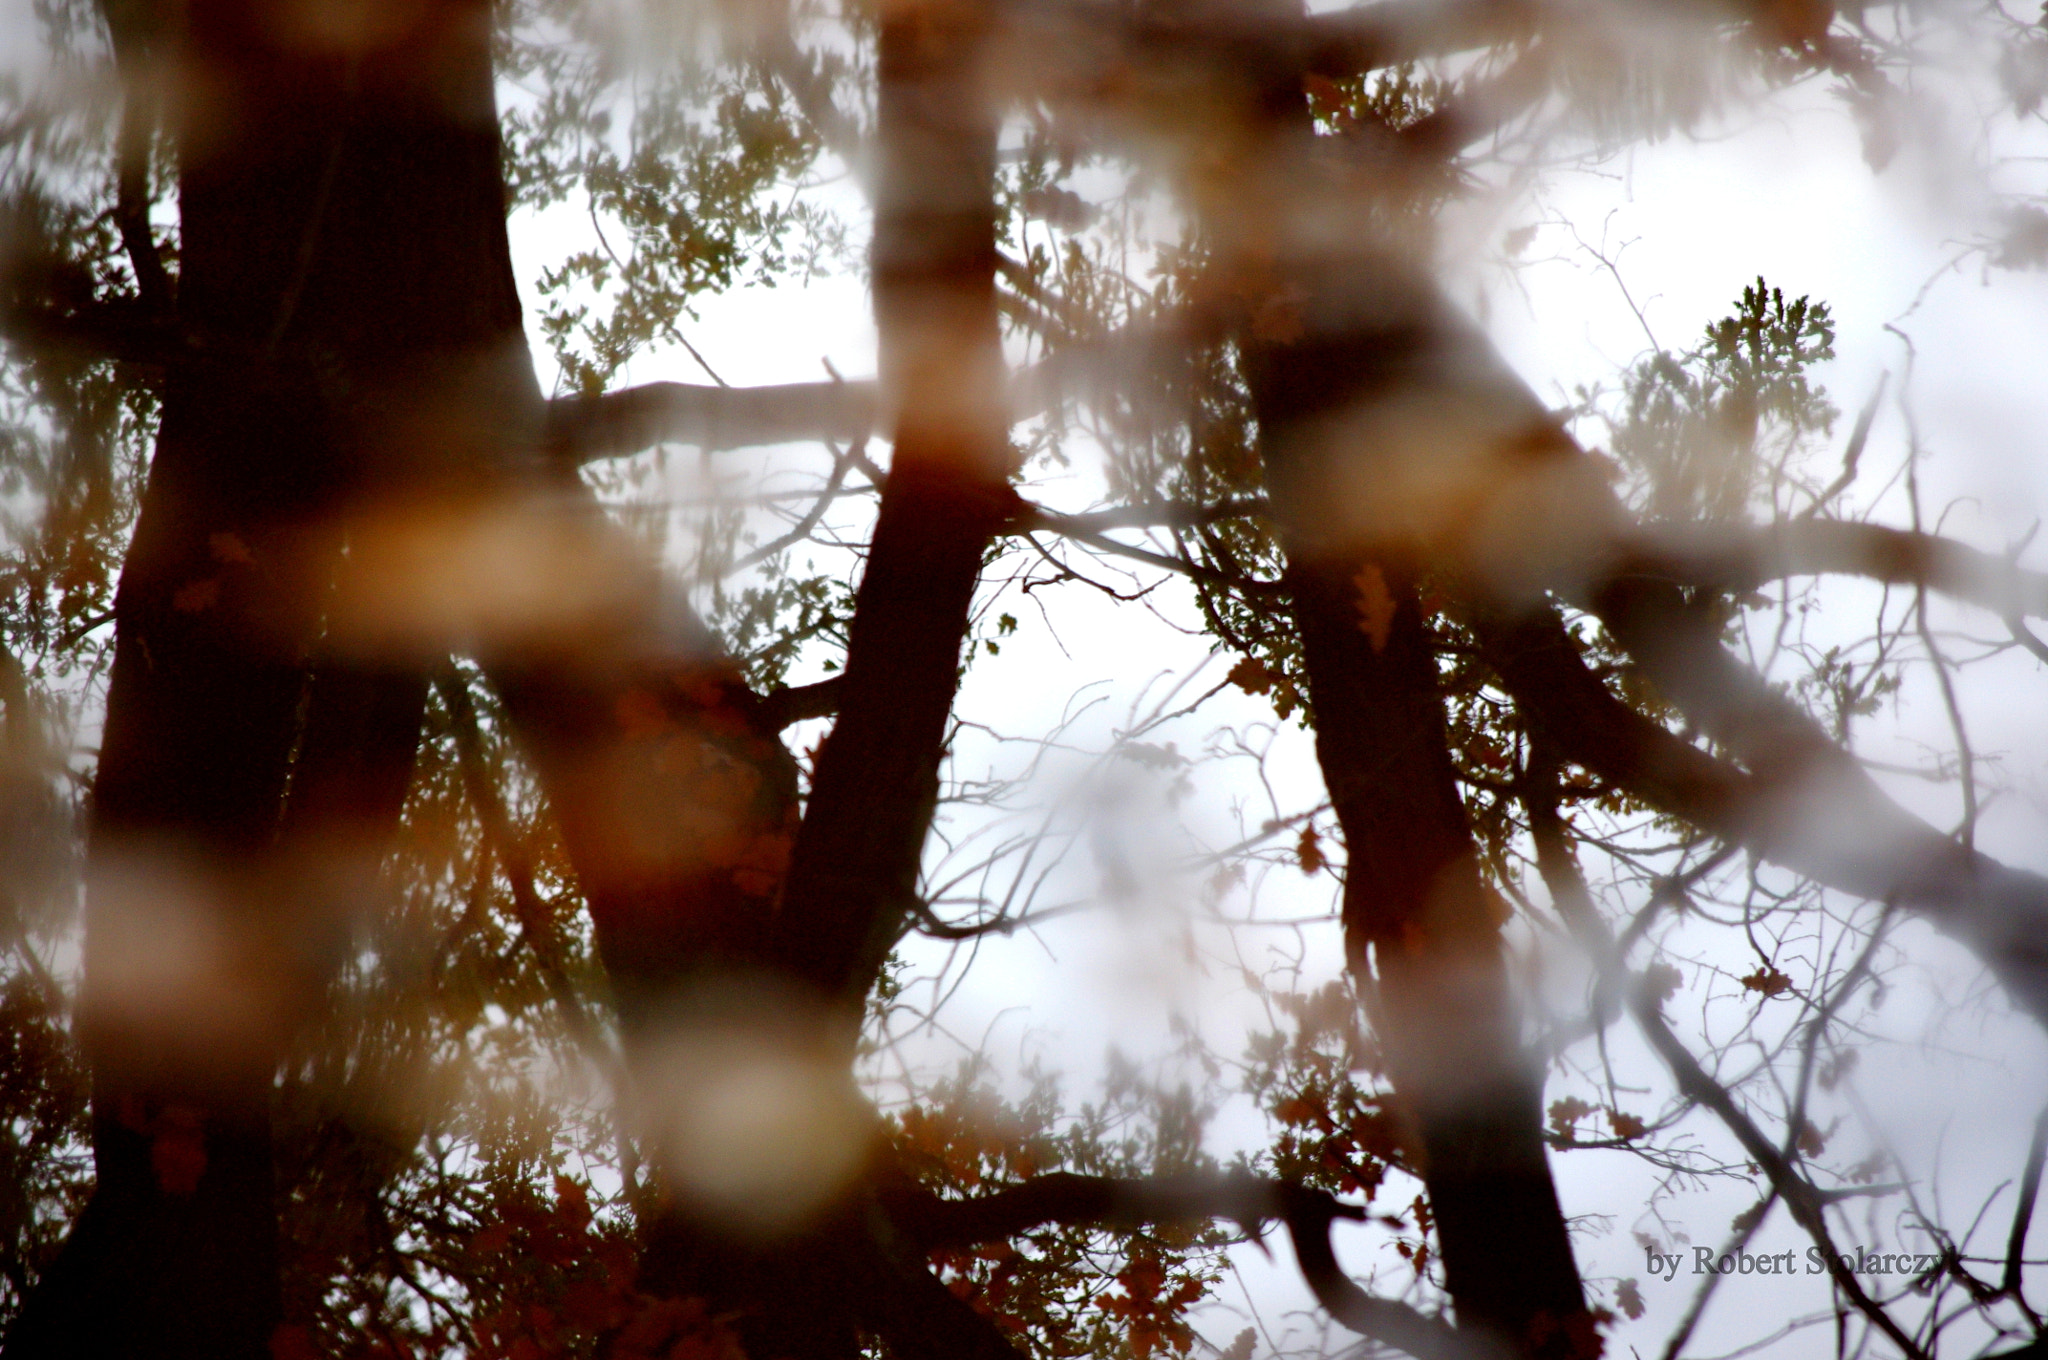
column 170, row 976
column 496, row 573
column 756, row 1121
column 350, row 25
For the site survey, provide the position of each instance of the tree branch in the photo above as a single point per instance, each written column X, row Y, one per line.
column 1865, row 843
column 1117, row 1203
column 1143, row 515
column 534, row 916
column 795, row 703
column 2023, row 1211
column 913, row 1311
column 1801, row 1199
column 1731, row 559
column 617, row 424
column 876, row 781
column 123, row 329
column 1384, row 1320
column 582, row 429
column 1125, row 1204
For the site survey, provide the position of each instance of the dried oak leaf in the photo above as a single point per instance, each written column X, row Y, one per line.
column 1375, row 605
column 1768, row 981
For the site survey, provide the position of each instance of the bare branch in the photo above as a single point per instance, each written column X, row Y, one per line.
column 1868, row 844
column 582, row 429
column 801, row 530
column 1801, row 1199
column 535, row 923
column 1123, row 1204
column 1145, row 515
column 1385, row 1320
column 795, row 703
column 2023, row 1212
column 1726, row 558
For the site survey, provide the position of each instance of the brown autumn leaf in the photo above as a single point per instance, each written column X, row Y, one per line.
column 1308, row 849
column 1768, row 981
column 1251, row 675
column 1375, row 605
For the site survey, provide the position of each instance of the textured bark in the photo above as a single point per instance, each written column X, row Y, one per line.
column 676, row 800
column 335, row 277
column 857, row 854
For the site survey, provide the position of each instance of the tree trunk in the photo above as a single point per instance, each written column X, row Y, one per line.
column 856, row 863
column 1334, row 329
column 1423, row 930
column 348, row 312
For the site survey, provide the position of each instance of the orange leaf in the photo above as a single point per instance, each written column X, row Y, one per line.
column 1375, row 605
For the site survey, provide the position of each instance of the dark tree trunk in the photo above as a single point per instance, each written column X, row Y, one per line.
column 934, row 258
column 1337, row 337
column 347, row 307
column 1423, row 930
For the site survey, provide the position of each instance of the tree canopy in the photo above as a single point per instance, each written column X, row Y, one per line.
column 511, row 855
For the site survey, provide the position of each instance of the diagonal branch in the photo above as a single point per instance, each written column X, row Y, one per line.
column 2023, row 1211
column 857, row 854
column 1804, row 803
column 504, row 841
column 129, row 26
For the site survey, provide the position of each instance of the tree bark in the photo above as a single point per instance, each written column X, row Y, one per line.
column 1422, row 928
column 677, row 801
column 346, row 322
